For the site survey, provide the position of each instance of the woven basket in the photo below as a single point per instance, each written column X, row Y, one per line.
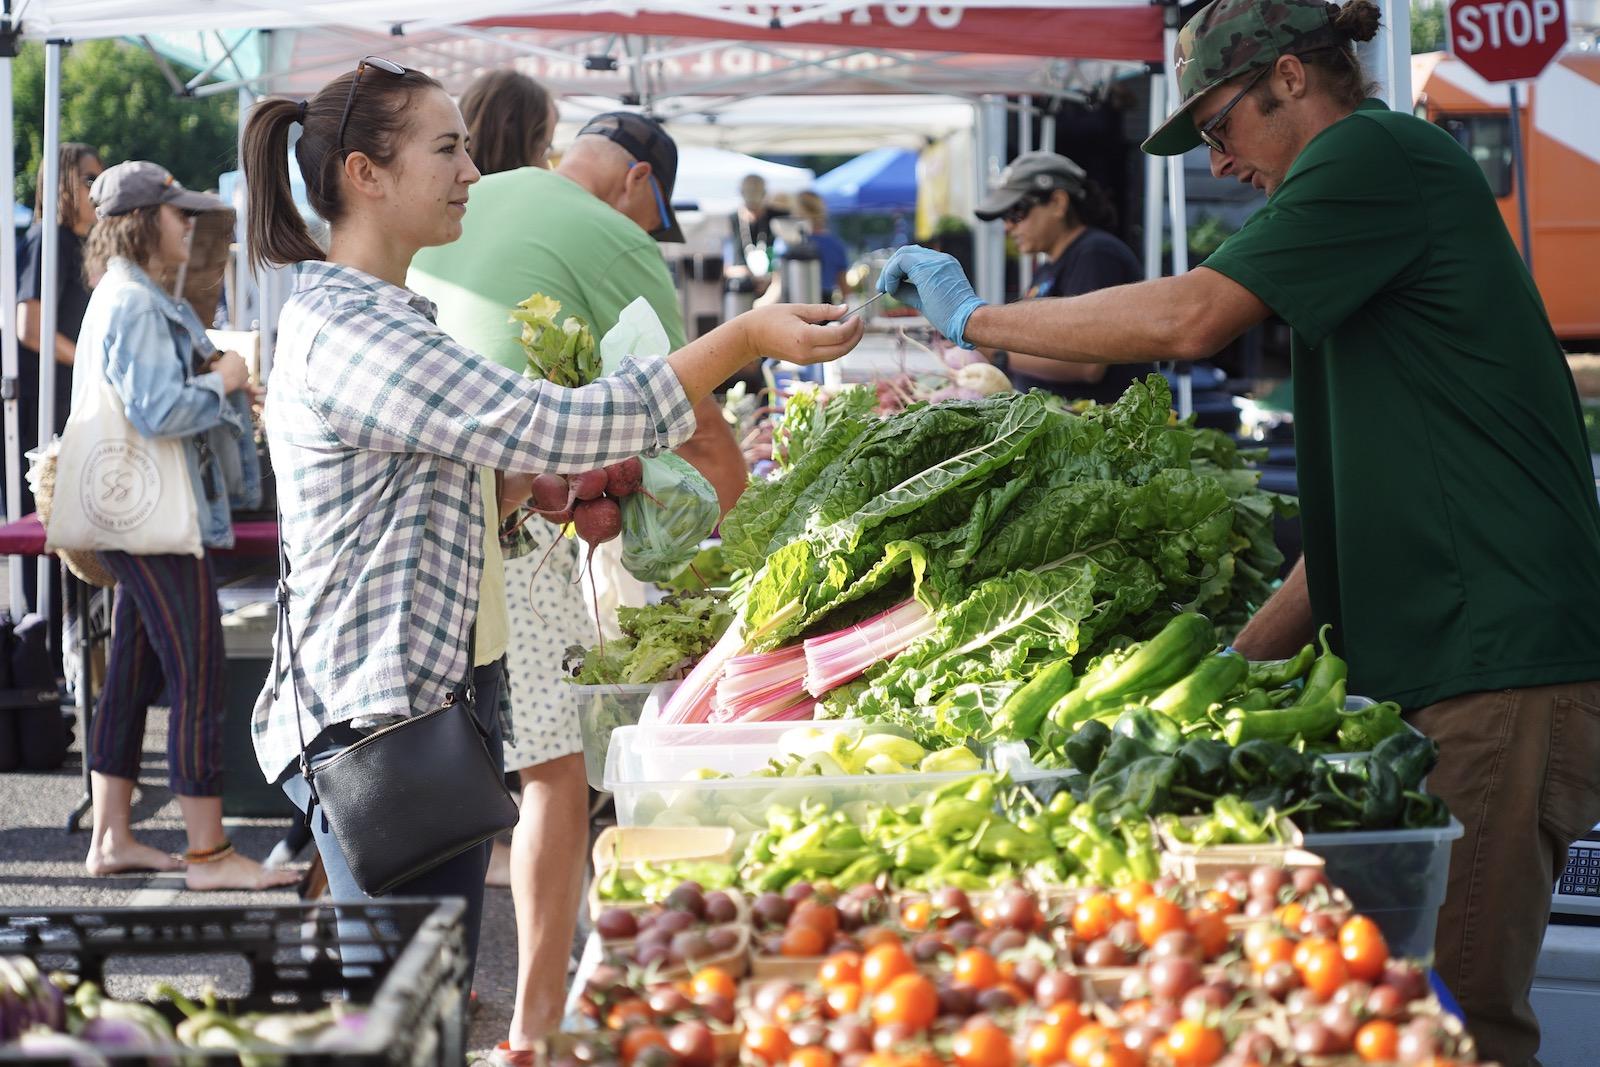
column 86, row 565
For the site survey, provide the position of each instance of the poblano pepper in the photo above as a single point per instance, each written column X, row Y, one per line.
column 1156, row 730
column 1409, row 755
column 1087, row 745
column 1204, row 763
column 1265, row 763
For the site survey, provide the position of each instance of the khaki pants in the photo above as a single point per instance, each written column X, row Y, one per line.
column 1521, row 769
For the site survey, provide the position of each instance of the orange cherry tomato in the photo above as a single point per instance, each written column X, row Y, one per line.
column 1323, row 970
column 1290, row 915
column 1223, row 903
column 917, row 914
column 881, row 965
column 1115, row 1055
column 1094, row 916
column 712, row 982
column 1190, row 1044
column 767, row 1043
column 794, row 1007
column 812, row 1056
column 803, row 940
column 1066, row 1016
column 987, row 916
column 982, row 1044
column 841, row 968
column 910, row 1001
column 822, row 917
column 629, row 1013
column 1378, row 1041
column 640, row 1038
column 1210, row 929
column 977, row 969
column 1364, row 950
column 874, row 936
column 1128, row 897
column 1156, row 916
column 842, row 1000
column 1089, row 1039
column 1046, row 1045
column 1274, row 949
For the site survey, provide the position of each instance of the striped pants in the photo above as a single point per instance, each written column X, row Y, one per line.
column 166, row 648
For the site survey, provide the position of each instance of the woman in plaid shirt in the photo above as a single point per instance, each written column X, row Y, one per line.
column 379, row 425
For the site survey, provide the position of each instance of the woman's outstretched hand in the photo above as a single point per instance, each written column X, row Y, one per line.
column 801, row 333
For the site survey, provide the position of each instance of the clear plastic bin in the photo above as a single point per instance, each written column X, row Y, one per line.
column 1397, row 877
column 651, row 772
column 603, row 709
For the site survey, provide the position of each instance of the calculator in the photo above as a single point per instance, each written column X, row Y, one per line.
column 1578, row 889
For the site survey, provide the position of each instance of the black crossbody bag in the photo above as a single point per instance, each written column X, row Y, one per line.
column 408, row 797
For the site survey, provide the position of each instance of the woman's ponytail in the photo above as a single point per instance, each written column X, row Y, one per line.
column 277, row 232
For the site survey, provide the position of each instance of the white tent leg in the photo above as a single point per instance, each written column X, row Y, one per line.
column 244, row 282
column 8, row 314
column 1177, row 208
column 1388, row 55
column 1025, row 144
column 49, row 270
column 1153, row 185
column 989, row 237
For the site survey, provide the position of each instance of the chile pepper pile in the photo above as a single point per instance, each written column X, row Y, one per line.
column 973, row 834
column 1142, row 768
column 1180, row 686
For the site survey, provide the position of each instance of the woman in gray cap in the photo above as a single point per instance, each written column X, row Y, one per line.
column 1051, row 208
column 166, row 636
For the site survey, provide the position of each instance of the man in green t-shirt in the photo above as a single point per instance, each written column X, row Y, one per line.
column 1452, row 532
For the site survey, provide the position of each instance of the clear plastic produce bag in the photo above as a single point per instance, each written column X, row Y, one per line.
column 663, row 526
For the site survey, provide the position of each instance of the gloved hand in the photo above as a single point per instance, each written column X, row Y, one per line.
column 933, row 283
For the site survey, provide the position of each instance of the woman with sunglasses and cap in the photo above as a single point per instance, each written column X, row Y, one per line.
column 166, row 634
column 379, row 425
column 1052, row 209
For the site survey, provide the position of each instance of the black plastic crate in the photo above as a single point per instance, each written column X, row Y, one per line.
column 411, row 978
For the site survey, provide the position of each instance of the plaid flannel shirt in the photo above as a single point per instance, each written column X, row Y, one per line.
column 377, row 424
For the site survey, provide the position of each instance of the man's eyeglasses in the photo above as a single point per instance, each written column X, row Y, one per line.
column 385, row 65
column 1021, row 209
column 1208, row 130
column 661, row 201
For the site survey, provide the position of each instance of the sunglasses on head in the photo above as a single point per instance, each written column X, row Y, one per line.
column 1208, row 130
column 387, row 66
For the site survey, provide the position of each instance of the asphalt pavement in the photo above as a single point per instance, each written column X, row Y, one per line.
column 41, row 865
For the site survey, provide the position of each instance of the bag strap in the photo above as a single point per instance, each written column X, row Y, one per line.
column 463, row 692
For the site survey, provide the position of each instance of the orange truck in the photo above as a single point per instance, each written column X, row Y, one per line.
column 1560, row 122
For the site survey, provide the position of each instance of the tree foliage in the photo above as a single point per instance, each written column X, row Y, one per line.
column 114, row 96
column 1427, row 26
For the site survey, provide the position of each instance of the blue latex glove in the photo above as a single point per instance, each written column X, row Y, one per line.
column 933, row 283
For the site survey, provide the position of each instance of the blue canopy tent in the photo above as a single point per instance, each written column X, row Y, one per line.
column 882, row 180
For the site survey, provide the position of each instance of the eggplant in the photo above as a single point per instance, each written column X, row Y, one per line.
column 44, row 1042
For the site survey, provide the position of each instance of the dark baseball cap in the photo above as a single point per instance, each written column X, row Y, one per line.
column 1233, row 37
column 1031, row 174
column 643, row 138
column 137, row 183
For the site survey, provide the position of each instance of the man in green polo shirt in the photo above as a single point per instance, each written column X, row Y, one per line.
column 1452, row 533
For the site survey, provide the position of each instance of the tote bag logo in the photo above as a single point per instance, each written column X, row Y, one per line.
column 121, row 486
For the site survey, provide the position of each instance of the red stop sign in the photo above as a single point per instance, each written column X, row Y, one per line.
column 1507, row 40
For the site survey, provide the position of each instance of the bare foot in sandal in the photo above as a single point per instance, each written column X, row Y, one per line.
column 110, row 855
column 225, row 868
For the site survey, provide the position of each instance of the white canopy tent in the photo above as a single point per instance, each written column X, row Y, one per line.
column 981, row 51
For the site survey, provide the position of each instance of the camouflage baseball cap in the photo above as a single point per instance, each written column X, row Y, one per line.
column 1232, row 37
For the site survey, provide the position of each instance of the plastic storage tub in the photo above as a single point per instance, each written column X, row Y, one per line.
column 1398, row 877
column 602, row 709
column 652, row 772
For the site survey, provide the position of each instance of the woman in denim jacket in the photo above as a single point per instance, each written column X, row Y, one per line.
column 166, row 640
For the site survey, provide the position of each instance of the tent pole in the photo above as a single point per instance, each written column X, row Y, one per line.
column 8, row 296
column 1025, row 144
column 1388, row 55
column 1177, row 209
column 49, row 272
column 1153, row 200
column 243, row 277
column 989, row 239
